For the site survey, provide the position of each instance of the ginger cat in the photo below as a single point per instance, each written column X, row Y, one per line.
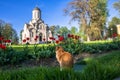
column 64, row 58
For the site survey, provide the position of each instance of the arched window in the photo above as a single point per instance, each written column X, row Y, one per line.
column 25, row 36
column 31, row 34
column 40, row 26
column 40, row 37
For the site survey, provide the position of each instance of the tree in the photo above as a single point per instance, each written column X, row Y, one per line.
column 73, row 30
column 52, row 29
column 15, row 39
column 8, row 32
column 112, row 26
column 63, row 31
column 90, row 14
column 116, row 5
column 21, row 35
column 1, row 28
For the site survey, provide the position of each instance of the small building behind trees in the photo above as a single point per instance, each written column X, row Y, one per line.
column 118, row 29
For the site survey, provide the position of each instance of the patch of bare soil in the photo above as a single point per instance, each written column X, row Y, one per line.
column 48, row 62
column 42, row 62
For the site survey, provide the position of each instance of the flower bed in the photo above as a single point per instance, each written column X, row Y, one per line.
column 72, row 44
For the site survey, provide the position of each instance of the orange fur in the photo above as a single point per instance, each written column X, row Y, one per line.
column 65, row 59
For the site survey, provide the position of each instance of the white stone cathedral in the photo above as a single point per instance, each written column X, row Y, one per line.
column 36, row 27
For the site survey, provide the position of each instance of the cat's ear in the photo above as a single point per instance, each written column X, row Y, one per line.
column 57, row 47
column 60, row 47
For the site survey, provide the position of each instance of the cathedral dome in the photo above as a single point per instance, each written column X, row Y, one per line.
column 36, row 13
column 36, row 8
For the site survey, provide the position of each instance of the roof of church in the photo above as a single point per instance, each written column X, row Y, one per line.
column 36, row 8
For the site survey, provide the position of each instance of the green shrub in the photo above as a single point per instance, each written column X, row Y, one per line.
column 28, row 52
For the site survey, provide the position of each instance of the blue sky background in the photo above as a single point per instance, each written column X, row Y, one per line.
column 19, row 12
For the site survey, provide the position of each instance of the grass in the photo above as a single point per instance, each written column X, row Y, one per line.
column 110, row 58
column 20, row 47
column 99, row 41
column 39, row 73
column 103, row 67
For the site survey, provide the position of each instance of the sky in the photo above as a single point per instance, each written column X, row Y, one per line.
column 19, row 12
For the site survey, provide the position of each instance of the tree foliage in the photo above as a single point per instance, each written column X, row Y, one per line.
column 73, row 30
column 91, row 15
column 52, row 29
column 8, row 32
column 21, row 35
column 112, row 26
column 116, row 5
column 63, row 31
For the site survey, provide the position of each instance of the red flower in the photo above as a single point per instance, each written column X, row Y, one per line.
column 57, row 41
column 1, row 38
column 58, row 36
column 114, row 35
column 5, row 41
column 27, row 38
column 69, row 35
column 51, row 38
column 76, row 37
column 43, row 39
column 36, row 37
column 61, row 38
column 72, row 36
column 24, row 40
column 2, row 46
column 9, row 41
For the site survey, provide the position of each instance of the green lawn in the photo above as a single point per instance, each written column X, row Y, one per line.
column 20, row 47
column 110, row 58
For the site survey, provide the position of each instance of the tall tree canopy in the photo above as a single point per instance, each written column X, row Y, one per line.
column 117, row 5
column 90, row 14
column 8, row 32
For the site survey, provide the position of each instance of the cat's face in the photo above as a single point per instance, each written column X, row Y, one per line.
column 59, row 48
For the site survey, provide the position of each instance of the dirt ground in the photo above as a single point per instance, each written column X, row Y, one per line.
column 49, row 62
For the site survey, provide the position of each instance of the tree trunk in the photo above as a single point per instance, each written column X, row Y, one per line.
column 88, row 38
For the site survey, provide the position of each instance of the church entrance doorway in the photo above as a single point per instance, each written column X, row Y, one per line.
column 40, row 37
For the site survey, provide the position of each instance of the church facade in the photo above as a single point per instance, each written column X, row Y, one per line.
column 36, row 31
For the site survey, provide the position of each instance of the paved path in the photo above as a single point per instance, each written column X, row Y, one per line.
column 79, row 67
column 117, row 78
